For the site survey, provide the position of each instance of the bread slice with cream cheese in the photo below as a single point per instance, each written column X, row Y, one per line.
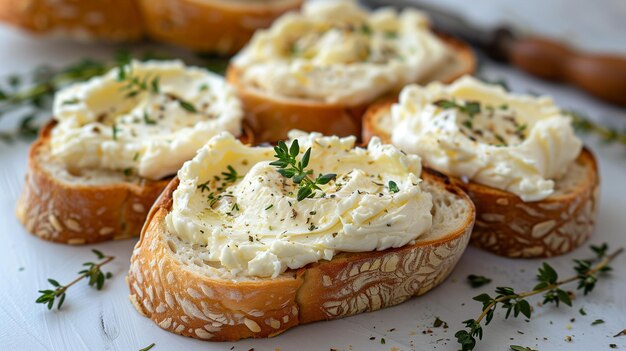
column 94, row 172
column 186, row 287
column 507, row 225
column 84, row 206
column 318, row 70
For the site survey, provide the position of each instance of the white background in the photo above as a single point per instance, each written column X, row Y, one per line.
column 105, row 320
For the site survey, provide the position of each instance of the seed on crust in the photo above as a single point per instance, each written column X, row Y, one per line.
column 252, row 325
column 137, row 207
column 73, row 225
column 54, row 221
column 106, row 231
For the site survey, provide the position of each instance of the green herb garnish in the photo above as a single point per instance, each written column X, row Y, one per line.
column 476, row 281
column 114, row 130
column 187, row 106
column 549, row 285
column 393, row 187
column 584, row 125
column 147, row 119
column 468, row 124
column 148, row 347
column 92, row 271
column 390, row 35
column 289, row 167
column 204, row 186
column 471, row 108
column 70, row 101
column 501, row 140
column 231, row 175
column 521, row 348
column 439, row 323
column 366, row 29
column 133, row 85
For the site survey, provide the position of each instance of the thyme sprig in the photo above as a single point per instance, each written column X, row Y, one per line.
column 549, row 285
column 289, row 167
column 92, row 271
column 584, row 125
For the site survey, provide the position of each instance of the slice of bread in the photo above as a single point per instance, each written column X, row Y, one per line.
column 83, row 206
column 271, row 116
column 171, row 284
column 215, row 26
column 510, row 227
column 112, row 20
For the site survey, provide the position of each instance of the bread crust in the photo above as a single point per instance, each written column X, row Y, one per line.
column 76, row 214
column 215, row 26
column 187, row 303
column 510, row 227
column 271, row 116
column 113, row 20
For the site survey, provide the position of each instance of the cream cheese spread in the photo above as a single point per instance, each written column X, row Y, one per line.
column 231, row 200
column 146, row 121
column 337, row 52
column 517, row 143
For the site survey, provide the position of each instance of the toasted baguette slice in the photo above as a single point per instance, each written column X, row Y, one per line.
column 216, row 26
column 510, row 227
column 170, row 284
column 86, row 206
column 271, row 116
column 113, row 20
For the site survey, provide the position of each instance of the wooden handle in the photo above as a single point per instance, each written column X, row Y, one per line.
column 603, row 76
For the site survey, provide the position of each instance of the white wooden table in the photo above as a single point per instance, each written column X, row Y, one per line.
column 105, row 320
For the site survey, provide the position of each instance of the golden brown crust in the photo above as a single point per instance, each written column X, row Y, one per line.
column 188, row 303
column 371, row 121
column 114, row 20
column 218, row 26
column 271, row 117
column 74, row 213
column 508, row 226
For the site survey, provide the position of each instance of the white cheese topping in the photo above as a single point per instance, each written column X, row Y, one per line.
column 146, row 122
column 516, row 143
column 337, row 52
column 253, row 225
